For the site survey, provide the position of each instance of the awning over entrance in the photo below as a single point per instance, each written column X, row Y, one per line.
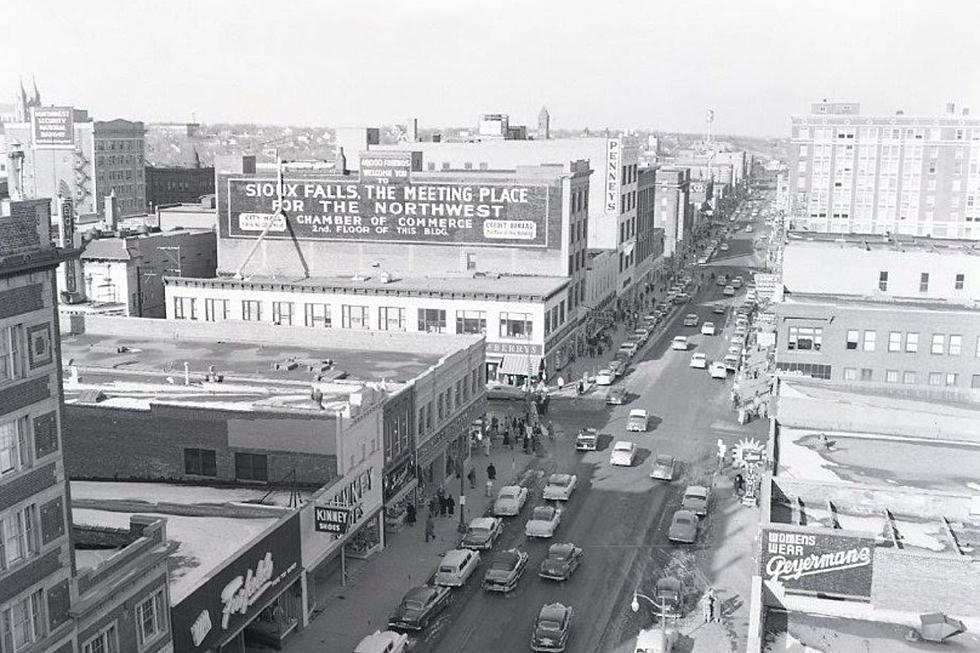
column 523, row 365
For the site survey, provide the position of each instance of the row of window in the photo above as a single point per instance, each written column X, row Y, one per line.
column 959, row 281
column 630, row 173
column 941, row 343
column 889, row 133
column 908, row 377
column 23, row 622
column 151, row 625
column 248, row 466
column 121, row 144
column 454, row 397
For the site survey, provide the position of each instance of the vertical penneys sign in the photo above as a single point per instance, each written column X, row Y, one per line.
column 613, row 157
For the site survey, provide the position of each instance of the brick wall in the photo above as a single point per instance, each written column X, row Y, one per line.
column 26, row 227
column 21, row 299
column 915, row 582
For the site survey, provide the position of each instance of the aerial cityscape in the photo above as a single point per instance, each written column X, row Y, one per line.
column 458, row 327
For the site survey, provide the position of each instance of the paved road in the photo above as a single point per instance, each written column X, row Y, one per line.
column 619, row 516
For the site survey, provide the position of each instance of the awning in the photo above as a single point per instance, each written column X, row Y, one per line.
column 514, row 364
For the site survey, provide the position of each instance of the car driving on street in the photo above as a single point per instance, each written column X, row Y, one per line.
column 679, row 343
column 623, row 454
column 559, row 487
column 482, row 532
column 637, row 420
column 691, row 320
column 551, row 628
column 604, row 377
column 504, row 570
column 510, row 500
column 419, row 607
column 616, row 396
column 544, row 520
column 562, row 561
column 717, row 370
column 699, row 360
column 456, row 567
column 708, row 329
column 587, row 440
column 386, row 641
column 663, row 468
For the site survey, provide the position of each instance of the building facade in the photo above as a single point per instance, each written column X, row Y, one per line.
column 176, row 185
column 120, row 165
column 36, row 559
column 674, row 213
column 895, row 174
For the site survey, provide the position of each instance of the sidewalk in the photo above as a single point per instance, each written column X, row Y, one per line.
column 376, row 586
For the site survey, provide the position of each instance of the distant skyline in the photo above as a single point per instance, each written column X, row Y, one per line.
column 616, row 64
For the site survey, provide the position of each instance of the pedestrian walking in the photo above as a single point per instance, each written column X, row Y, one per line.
column 706, row 607
column 430, row 529
column 451, row 505
column 433, row 506
column 491, row 472
column 441, row 493
column 489, row 487
column 410, row 514
column 715, row 609
column 472, row 477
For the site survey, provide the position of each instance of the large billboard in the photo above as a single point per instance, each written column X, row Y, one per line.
column 406, row 211
column 53, row 126
column 810, row 561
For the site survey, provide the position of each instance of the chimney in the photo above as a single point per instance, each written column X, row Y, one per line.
column 110, row 213
column 15, row 172
column 900, row 112
column 340, row 163
column 951, row 108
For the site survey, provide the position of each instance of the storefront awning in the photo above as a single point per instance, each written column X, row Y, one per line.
column 513, row 364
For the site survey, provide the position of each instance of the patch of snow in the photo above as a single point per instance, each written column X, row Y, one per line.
column 165, row 492
column 916, row 534
column 802, row 462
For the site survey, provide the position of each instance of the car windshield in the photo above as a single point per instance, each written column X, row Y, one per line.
column 477, row 530
column 502, row 564
column 508, row 494
column 415, row 604
column 683, row 521
column 548, row 624
column 664, row 460
column 623, row 447
column 543, row 513
column 694, row 494
column 560, row 479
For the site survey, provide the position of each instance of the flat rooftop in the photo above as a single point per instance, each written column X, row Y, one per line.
column 883, row 302
column 896, row 243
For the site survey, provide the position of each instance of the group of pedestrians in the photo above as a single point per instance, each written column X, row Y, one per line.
column 710, row 606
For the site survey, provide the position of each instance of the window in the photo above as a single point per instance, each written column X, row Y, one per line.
column 105, row 642
column 316, row 315
column 391, row 318
column 442, row 406
column 22, row 623
column 852, row 338
column 282, row 313
column 11, row 353
column 891, row 376
column 476, row 380
column 459, row 394
column 471, row 322
column 151, row 618
column 894, row 341
column 924, row 282
column 251, row 467
column 516, row 325
column 908, row 378
column 883, row 280
column 935, row 378
column 958, row 284
column 15, row 445
column 185, row 308
column 432, row 320
column 215, row 310
column 911, row 342
column 955, row 345
column 938, row 343
column 805, row 338
column 421, row 429
column 951, row 379
column 869, row 340
column 200, row 462
column 354, row 317
column 850, row 374
column 866, row 374
column 18, row 536
column 251, row 310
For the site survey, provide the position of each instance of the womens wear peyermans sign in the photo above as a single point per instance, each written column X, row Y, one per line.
column 807, row 560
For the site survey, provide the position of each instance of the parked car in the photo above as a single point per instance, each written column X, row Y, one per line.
column 703, row 260
column 719, row 309
column 419, row 607
column 387, row 641
column 623, row 453
column 510, row 500
column 456, row 566
column 629, row 348
column 656, row 640
column 738, row 281
column 505, row 569
column 586, row 440
column 730, row 362
column 721, row 280
column 560, row 487
column 696, row 499
column 683, row 527
column 563, row 559
column 551, row 629
column 482, row 532
column 618, row 368
column 728, row 291
column 544, row 520
column 681, row 298
column 748, row 229
column 637, row 420
column 723, row 247
column 708, row 329
column 699, row 360
column 679, row 343
column 642, row 333
column 668, row 597
column 604, row 377
column 663, row 468
column 690, row 320
column 616, row 396
column 735, row 350
column 717, row 370
column 740, row 330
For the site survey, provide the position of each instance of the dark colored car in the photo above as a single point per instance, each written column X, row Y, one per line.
column 562, row 561
column 552, row 628
column 419, row 607
column 505, row 570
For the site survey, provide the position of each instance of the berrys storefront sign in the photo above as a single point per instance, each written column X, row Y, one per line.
column 825, row 563
column 232, row 597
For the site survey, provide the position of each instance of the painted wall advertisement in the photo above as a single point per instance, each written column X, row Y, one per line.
column 53, row 126
column 233, row 596
column 811, row 562
column 391, row 208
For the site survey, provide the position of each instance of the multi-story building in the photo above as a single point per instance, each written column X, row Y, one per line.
column 897, row 174
column 674, row 213
column 176, row 185
column 649, row 237
column 119, row 164
column 36, row 559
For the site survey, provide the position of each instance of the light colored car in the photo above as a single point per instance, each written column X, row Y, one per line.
column 717, row 370
column 683, row 527
column 723, row 247
column 703, row 260
column 504, row 570
column 728, row 291
column 510, row 500
column 681, row 298
column 699, row 360
column 719, row 310
column 708, row 329
column 587, row 440
column 642, row 333
column 616, row 396
column 738, row 281
column 628, row 348
column 748, row 229
column 604, row 377
column 735, row 350
column 623, row 453
column 543, row 522
column 559, row 487
column 691, row 319
column 696, row 498
column 656, row 640
column 387, row 641
column 456, row 567
column 730, row 362
column 618, row 368
column 663, row 468
column 637, row 420
column 740, row 330
column 482, row 532
column 679, row 343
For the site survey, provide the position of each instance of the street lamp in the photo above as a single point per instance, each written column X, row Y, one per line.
column 635, row 607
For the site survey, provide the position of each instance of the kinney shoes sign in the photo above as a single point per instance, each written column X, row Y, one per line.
column 805, row 560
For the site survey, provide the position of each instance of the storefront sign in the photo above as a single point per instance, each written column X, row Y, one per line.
column 54, row 126
column 391, row 168
column 397, row 478
column 612, row 175
column 459, row 425
column 230, row 598
column 521, row 348
column 410, row 212
column 341, row 510
column 825, row 563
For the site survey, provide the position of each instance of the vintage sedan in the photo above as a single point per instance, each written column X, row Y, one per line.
column 708, row 329
column 604, row 376
column 663, row 467
column 482, row 532
column 559, row 487
column 587, row 440
column 562, row 561
column 719, row 309
column 696, row 498
column 510, row 500
column 683, row 527
column 617, row 367
column 623, row 454
column 691, row 320
column 679, row 343
column 656, row 640
column 638, row 420
column 456, row 567
column 718, row 370
column 728, row 291
column 616, row 396
column 551, row 629
column 699, row 360
column 543, row 522
column 419, row 607
column 505, row 569
column 730, row 362
column 386, row 641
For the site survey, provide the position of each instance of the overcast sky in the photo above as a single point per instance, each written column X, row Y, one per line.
column 599, row 63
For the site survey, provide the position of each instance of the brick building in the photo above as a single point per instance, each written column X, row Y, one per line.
column 119, row 164
column 673, row 209
column 176, row 185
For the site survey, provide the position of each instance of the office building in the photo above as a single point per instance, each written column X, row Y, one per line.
column 885, row 174
column 119, row 164
column 177, row 185
column 674, row 213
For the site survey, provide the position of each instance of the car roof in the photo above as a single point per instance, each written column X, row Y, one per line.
column 550, row 509
column 456, row 555
column 553, row 611
column 623, row 445
column 685, row 514
column 510, row 555
column 680, row 338
column 564, row 548
column 699, row 354
column 483, row 522
column 696, row 490
column 376, row 639
column 638, row 412
column 559, row 478
column 420, row 593
column 512, row 488
column 664, row 458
